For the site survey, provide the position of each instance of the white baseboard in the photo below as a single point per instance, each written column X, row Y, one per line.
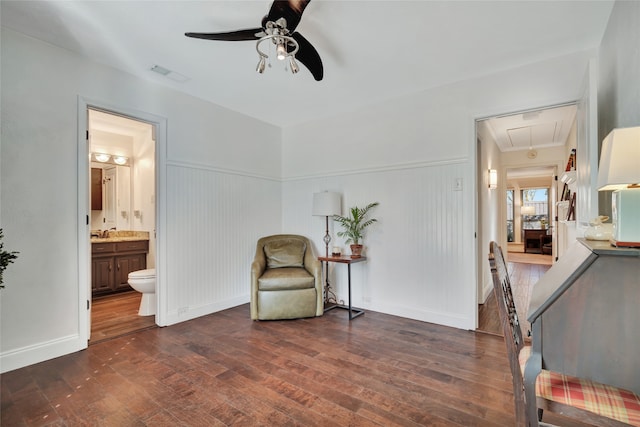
column 189, row 313
column 446, row 319
column 36, row 353
column 486, row 291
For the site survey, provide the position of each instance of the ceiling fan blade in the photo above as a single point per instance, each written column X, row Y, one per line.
column 240, row 35
column 291, row 10
column 309, row 56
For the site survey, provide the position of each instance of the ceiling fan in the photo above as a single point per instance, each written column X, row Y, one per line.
column 278, row 27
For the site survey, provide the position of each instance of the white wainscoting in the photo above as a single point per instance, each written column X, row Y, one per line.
column 214, row 219
column 420, row 252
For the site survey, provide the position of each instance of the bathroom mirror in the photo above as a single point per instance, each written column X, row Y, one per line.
column 116, row 198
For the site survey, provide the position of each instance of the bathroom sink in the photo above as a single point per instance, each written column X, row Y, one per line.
column 120, row 236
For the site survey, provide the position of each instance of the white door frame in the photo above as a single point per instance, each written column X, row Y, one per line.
column 84, row 210
column 502, row 174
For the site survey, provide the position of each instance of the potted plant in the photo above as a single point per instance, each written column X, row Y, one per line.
column 6, row 258
column 354, row 225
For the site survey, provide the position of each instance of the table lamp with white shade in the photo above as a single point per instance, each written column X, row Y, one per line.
column 620, row 171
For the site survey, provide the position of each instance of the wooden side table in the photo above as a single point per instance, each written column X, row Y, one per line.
column 344, row 259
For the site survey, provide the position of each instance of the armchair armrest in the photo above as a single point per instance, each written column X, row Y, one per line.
column 312, row 264
column 314, row 267
column 258, row 266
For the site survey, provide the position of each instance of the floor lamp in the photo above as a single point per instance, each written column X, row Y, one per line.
column 326, row 204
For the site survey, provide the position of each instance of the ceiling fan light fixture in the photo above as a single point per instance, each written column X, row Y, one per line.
column 294, row 65
column 261, row 65
column 277, row 27
column 281, row 50
column 286, row 47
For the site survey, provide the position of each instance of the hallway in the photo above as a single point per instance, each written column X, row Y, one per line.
column 523, row 277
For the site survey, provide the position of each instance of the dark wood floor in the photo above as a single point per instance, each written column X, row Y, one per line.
column 224, row 369
column 523, row 276
column 116, row 315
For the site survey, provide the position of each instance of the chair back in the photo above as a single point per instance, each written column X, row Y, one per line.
column 510, row 325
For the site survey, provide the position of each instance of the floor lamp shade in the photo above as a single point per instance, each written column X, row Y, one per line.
column 326, row 204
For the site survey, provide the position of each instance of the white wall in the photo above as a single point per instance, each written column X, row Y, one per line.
column 406, row 153
column 220, row 166
column 491, row 221
column 143, row 173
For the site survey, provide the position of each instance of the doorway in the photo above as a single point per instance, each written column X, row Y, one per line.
column 530, row 213
column 122, row 153
column 525, row 149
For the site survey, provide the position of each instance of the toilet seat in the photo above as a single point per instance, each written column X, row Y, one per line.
column 149, row 273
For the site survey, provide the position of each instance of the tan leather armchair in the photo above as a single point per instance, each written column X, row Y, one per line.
column 286, row 279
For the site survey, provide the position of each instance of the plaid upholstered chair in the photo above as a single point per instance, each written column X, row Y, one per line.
column 591, row 402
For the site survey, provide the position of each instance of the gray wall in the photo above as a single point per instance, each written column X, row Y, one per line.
column 619, row 77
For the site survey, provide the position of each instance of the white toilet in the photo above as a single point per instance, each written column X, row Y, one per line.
column 144, row 281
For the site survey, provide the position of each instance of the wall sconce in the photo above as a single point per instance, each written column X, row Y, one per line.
column 619, row 171
column 493, row 179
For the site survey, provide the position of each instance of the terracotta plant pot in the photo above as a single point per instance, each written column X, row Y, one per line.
column 356, row 251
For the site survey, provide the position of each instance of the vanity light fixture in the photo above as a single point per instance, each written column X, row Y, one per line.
column 102, row 157
column 493, row 179
column 112, row 159
column 120, row 160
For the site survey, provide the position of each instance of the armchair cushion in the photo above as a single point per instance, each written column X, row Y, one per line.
column 279, row 279
column 285, row 253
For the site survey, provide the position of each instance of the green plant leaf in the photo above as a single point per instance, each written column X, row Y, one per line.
column 6, row 258
column 355, row 223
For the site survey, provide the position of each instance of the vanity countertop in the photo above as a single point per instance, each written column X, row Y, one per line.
column 121, row 236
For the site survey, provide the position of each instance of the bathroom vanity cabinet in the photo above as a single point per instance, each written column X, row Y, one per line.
column 111, row 263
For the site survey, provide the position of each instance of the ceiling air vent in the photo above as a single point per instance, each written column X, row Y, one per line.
column 169, row 74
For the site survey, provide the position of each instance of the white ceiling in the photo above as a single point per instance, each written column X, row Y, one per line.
column 529, row 172
column 371, row 50
column 119, row 125
column 531, row 177
column 532, row 129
